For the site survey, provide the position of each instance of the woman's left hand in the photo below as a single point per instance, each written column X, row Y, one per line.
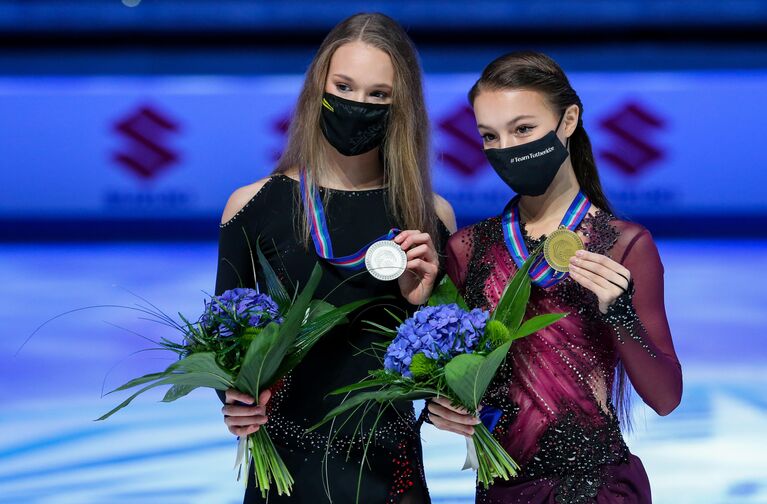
column 601, row 275
column 417, row 282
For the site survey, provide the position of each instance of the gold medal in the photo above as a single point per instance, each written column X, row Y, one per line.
column 560, row 246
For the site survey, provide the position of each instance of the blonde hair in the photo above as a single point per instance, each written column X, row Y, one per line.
column 405, row 150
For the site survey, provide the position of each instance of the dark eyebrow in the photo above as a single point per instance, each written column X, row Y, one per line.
column 524, row 116
column 347, row 78
column 344, row 77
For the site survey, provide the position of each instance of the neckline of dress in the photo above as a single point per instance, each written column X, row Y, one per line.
column 340, row 191
column 536, row 241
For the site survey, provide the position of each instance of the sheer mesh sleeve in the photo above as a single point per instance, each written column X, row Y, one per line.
column 639, row 324
column 458, row 250
column 440, row 244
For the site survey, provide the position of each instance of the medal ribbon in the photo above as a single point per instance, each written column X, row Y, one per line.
column 541, row 273
column 315, row 216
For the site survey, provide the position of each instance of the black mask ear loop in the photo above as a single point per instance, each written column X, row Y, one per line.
column 567, row 140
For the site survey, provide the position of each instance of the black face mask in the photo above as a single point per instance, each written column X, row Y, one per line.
column 351, row 127
column 530, row 168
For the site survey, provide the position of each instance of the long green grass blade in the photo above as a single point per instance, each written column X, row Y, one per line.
column 273, row 285
column 511, row 307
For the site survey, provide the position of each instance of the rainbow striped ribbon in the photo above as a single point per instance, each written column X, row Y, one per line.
column 541, row 273
column 315, row 215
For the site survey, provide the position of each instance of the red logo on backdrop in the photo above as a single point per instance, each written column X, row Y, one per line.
column 630, row 127
column 146, row 130
column 463, row 152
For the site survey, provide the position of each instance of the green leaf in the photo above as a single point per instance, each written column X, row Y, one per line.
column 196, row 370
column 515, row 310
column 469, row 375
column 203, row 363
column 313, row 330
column 382, row 395
column 461, row 376
column 130, row 399
column 318, row 308
column 356, row 400
column 198, row 379
column 359, row 386
column 446, row 293
column 394, row 315
column 331, row 318
column 380, row 329
column 266, row 352
column 511, row 307
column 415, row 395
column 203, row 376
column 140, row 381
column 177, row 391
column 249, row 378
column 537, row 323
column 273, row 285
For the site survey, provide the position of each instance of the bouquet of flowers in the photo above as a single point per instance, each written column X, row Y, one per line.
column 245, row 340
column 448, row 350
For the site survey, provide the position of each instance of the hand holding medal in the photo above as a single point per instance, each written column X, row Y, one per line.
column 551, row 268
column 601, row 275
column 385, row 260
column 409, row 256
column 420, row 274
column 564, row 254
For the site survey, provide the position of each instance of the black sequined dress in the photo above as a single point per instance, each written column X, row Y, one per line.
column 394, row 469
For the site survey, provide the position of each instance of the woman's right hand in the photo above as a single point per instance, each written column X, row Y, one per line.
column 447, row 417
column 245, row 419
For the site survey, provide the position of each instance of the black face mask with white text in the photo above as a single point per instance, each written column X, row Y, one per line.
column 352, row 127
column 530, row 168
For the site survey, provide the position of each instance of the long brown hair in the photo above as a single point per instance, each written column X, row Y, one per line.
column 405, row 150
column 535, row 71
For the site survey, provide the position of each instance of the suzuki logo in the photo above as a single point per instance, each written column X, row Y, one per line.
column 630, row 127
column 463, row 151
column 146, row 130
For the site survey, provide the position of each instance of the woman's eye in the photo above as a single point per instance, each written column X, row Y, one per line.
column 488, row 137
column 523, row 130
column 343, row 87
column 381, row 95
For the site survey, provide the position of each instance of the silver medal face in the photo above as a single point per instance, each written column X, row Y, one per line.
column 386, row 260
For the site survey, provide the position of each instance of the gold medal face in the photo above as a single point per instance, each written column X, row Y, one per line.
column 559, row 247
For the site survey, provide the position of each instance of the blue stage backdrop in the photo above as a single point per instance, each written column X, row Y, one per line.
column 677, row 151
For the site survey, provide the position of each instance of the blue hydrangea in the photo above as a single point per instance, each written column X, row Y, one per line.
column 439, row 332
column 236, row 309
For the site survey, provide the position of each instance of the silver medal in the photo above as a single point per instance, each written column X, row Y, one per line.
column 385, row 260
